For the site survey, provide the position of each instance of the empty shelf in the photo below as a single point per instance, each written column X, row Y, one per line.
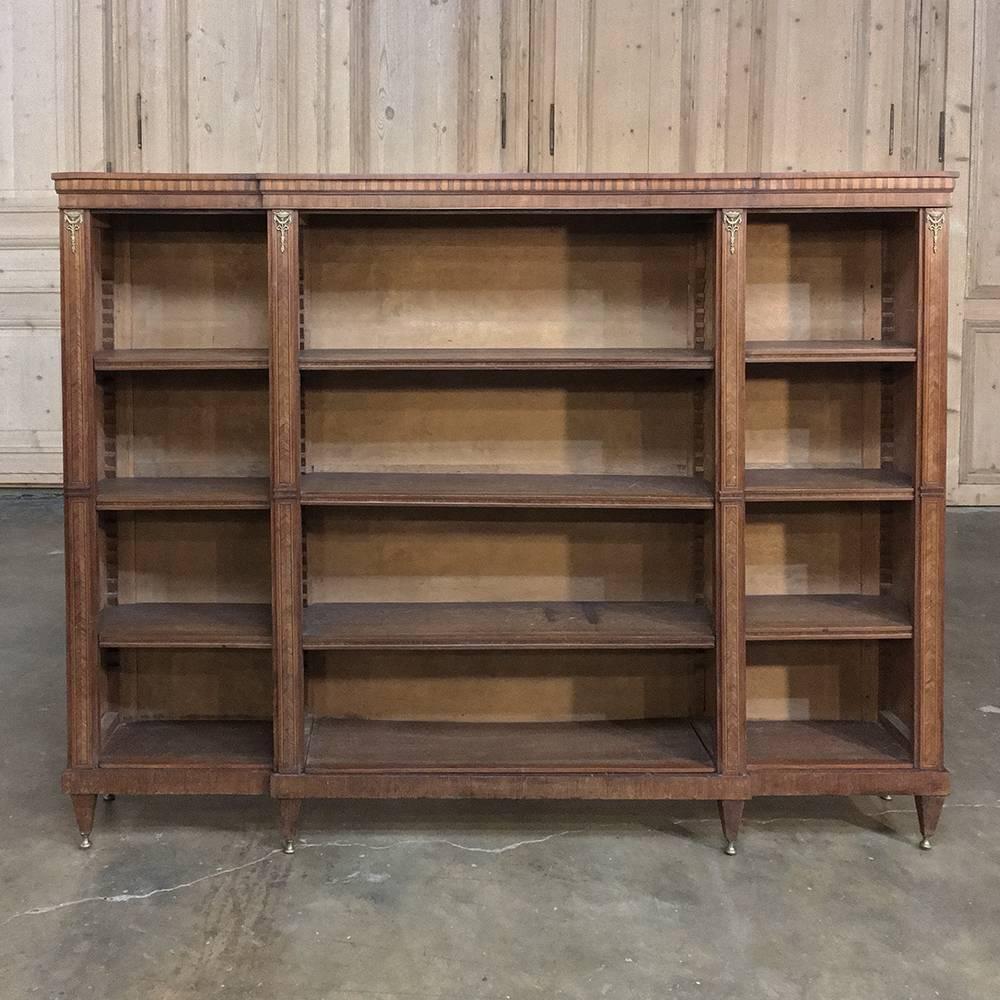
column 181, row 360
column 508, row 626
column 237, row 626
column 817, row 744
column 827, row 484
column 188, row 744
column 827, row 616
column 793, row 351
column 505, row 747
column 177, row 493
column 478, row 490
column 465, row 359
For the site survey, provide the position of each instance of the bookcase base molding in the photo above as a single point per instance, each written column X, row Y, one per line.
column 504, row 487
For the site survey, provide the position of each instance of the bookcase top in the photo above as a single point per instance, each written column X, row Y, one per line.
column 503, row 192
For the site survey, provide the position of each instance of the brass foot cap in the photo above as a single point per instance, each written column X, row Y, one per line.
column 289, row 847
column 84, row 841
column 925, row 844
column 730, row 848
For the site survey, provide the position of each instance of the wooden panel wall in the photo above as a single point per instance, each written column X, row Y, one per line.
column 973, row 147
column 381, row 85
column 51, row 117
column 745, row 85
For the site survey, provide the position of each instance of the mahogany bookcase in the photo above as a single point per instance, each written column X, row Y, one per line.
column 603, row 487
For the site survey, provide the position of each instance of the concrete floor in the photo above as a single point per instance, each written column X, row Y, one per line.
column 828, row 899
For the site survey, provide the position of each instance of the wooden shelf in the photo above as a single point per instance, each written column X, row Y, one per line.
column 827, row 616
column 590, row 625
column 199, row 743
column 499, row 747
column 215, row 493
column 182, row 360
column 480, row 490
column 509, row 360
column 826, row 351
column 824, row 744
column 216, row 626
column 827, row 484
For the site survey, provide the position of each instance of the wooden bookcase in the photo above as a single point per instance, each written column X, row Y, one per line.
column 612, row 487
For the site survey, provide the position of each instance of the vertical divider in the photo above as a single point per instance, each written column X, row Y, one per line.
column 730, row 508
column 286, row 508
column 930, row 492
column 80, row 258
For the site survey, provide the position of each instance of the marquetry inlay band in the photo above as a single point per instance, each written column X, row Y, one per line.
column 73, row 221
column 282, row 220
column 935, row 223
column 732, row 222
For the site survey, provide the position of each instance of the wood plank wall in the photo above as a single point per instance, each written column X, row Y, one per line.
column 493, row 85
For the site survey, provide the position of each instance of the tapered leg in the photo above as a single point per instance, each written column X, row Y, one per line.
column 928, row 814
column 83, row 807
column 288, row 813
column 731, row 814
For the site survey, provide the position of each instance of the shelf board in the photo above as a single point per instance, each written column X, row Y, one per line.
column 825, row 351
column 157, row 626
column 827, row 616
column 484, row 490
column 824, row 744
column 510, row 360
column 827, row 484
column 589, row 625
column 181, row 360
column 648, row 745
column 201, row 743
column 183, row 493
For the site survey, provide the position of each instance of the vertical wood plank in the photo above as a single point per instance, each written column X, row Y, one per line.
column 79, row 257
column 730, row 513
column 286, row 512
column 929, row 589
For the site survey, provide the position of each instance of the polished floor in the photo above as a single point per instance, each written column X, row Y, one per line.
column 827, row 900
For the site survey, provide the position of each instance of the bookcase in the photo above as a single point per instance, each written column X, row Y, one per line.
column 595, row 487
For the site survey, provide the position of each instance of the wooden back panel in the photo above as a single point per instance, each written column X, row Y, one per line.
column 190, row 281
column 576, row 282
column 512, row 425
column 530, row 556
column 508, row 686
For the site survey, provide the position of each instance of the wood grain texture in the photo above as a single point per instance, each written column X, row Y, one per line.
column 80, row 254
column 823, row 744
column 161, row 626
column 183, row 493
column 827, row 616
column 484, row 192
column 827, row 351
column 207, row 744
column 474, row 490
column 774, row 485
column 648, row 745
column 283, row 246
column 578, row 625
column 504, row 360
column 729, row 563
column 180, row 360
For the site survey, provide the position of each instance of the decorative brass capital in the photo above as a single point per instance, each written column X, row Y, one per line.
column 72, row 221
column 935, row 223
column 732, row 220
column 282, row 220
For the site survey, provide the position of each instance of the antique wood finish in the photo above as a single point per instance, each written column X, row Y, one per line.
column 286, row 513
column 629, row 559
column 730, row 513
